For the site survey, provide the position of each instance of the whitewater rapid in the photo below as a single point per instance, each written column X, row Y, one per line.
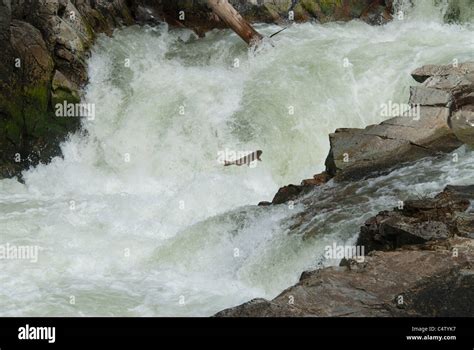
column 139, row 219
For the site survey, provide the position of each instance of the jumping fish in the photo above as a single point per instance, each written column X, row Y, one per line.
column 249, row 158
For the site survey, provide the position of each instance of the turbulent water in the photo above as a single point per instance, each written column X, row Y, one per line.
column 139, row 218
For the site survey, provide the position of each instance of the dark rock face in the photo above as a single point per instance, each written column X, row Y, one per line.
column 291, row 192
column 417, row 266
column 420, row 221
column 44, row 62
column 448, row 295
column 439, row 121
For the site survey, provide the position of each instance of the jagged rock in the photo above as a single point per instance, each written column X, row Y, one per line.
column 429, row 70
column 462, row 124
column 419, row 221
column 5, row 16
column 427, row 96
column 63, row 90
column 428, row 281
column 37, row 39
column 357, row 153
column 291, row 192
column 287, row 193
column 317, row 180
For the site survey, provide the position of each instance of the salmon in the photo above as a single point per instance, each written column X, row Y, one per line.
column 249, row 158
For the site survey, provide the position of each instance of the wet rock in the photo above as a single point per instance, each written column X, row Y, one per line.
column 62, row 89
column 448, row 295
column 429, row 70
column 377, row 13
column 427, row 96
column 397, row 283
column 44, row 50
column 317, row 180
column 419, row 221
column 358, row 153
column 287, row 193
column 292, row 192
column 462, row 124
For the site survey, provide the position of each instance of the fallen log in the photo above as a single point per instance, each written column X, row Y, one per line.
column 229, row 15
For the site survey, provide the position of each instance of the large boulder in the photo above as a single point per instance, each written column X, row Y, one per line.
column 357, row 153
column 451, row 86
column 419, row 221
column 430, row 70
column 462, row 124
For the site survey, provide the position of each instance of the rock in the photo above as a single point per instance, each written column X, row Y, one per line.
column 430, row 281
column 5, row 16
column 291, row 192
column 451, row 87
column 358, row 153
column 460, row 191
column 464, row 223
column 459, row 11
column 377, row 13
column 423, row 73
column 427, row 96
column 29, row 133
column 287, row 193
column 264, row 204
column 462, row 124
column 39, row 38
column 63, row 90
column 419, row 221
column 317, row 180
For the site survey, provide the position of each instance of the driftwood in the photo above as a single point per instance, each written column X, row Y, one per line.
column 229, row 15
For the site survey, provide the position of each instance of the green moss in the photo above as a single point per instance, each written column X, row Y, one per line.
column 37, row 96
column 61, row 95
column 311, row 7
column 328, row 6
column 300, row 13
